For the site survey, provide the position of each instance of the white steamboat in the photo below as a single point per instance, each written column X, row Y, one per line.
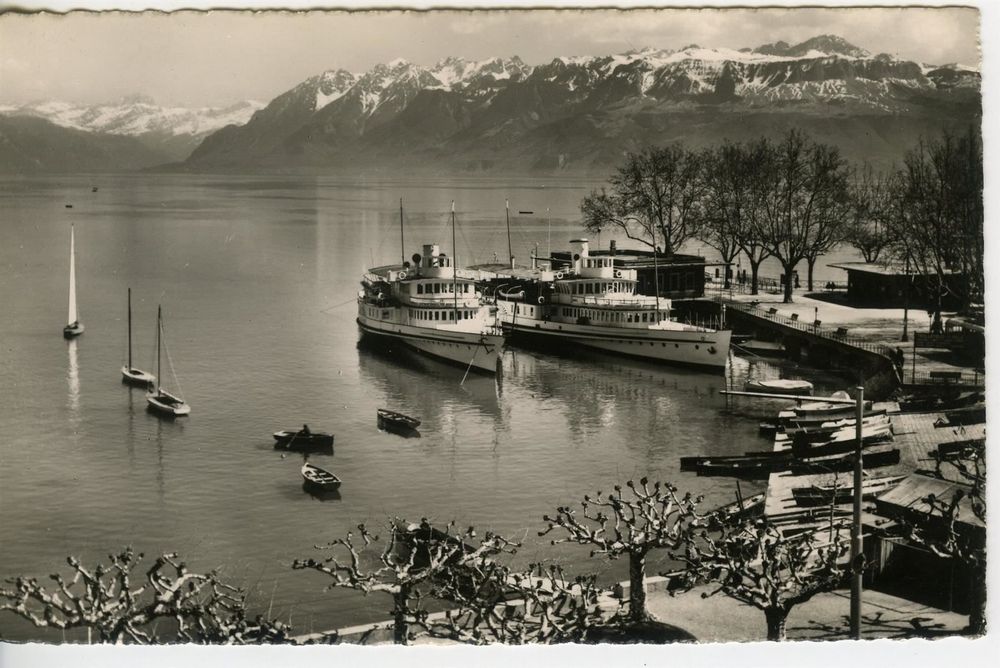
column 428, row 306
column 594, row 304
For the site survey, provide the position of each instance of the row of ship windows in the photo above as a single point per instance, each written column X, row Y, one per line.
column 421, row 314
column 442, row 288
column 595, row 288
column 613, row 316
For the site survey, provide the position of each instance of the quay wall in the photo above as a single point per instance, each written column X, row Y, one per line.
column 873, row 365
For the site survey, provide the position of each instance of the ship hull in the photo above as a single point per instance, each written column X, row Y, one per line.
column 474, row 350
column 709, row 349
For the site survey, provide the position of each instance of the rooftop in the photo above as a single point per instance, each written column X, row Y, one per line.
column 891, row 269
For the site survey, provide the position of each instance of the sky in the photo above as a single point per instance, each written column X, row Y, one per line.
column 219, row 58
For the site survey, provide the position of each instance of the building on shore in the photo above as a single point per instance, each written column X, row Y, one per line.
column 680, row 276
column 892, row 285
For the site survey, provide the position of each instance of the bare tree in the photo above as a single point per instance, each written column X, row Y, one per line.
column 109, row 600
column 407, row 566
column 728, row 208
column 875, row 213
column 654, row 199
column 541, row 605
column 942, row 214
column 803, row 186
column 755, row 563
column 632, row 523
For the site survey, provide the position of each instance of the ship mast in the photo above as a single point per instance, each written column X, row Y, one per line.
column 402, row 246
column 656, row 272
column 454, row 262
column 510, row 253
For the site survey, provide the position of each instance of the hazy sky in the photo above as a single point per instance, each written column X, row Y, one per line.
column 216, row 58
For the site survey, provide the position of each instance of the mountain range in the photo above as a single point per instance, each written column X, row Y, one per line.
column 572, row 114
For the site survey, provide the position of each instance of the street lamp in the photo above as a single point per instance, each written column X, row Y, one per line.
column 857, row 558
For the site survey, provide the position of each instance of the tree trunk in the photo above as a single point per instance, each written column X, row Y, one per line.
column 787, row 268
column 977, row 600
column 637, row 587
column 775, row 623
column 811, row 263
column 728, row 270
column 754, row 268
column 400, row 627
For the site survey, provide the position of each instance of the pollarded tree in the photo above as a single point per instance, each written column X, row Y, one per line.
column 655, row 198
column 494, row 604
column 168, row 603
column 754, row 562
column 407, row 567
column 631, row 523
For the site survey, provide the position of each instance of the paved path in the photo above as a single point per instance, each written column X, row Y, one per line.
column 719, row 618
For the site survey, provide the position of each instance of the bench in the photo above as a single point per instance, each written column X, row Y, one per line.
column 817, row 323
column 795, row 316
column 772, row 311
column 945, row 376
column 842, row 332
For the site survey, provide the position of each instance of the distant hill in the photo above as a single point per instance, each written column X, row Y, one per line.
column 34, row 145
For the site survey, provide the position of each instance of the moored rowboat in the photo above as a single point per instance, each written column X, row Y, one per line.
column 319, row 478
column 302, row 440
column 780, row 386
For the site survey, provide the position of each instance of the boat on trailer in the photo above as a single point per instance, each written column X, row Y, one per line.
column 130, row 374
column 158, row 399
column 319, row 478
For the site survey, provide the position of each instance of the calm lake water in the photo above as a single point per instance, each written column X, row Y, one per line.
column 257, row 278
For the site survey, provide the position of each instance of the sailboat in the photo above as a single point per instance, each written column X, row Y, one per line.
column 159, row 399
column 130, row 374
column 74, row 327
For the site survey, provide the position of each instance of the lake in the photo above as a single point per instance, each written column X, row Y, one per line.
column 257, row 279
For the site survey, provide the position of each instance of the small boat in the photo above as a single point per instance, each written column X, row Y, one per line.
column 759, row 467
column 741, row 509
column 130, row 374
column 780, row 386
column 825, row 495
column 319, row 478
column 302, row 439
column 74, row 327
column 69, row 206
column 94, row 189
column 158, row 399
column 397, row 422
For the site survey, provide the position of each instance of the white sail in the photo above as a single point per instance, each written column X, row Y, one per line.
column 72, row 279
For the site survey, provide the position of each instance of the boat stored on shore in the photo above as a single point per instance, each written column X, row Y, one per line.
column 593, row 303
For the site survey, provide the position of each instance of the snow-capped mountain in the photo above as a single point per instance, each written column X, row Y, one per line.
column 176, row 130
column 574, row 112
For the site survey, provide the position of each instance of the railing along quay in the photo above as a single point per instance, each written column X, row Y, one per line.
column 837, row 336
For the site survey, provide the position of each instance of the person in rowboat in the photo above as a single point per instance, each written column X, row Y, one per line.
column 305, row 430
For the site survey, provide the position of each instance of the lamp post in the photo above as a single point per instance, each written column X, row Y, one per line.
column 857, row 540
column 907, row 286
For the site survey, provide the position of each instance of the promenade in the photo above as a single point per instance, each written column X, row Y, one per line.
column 875, row 329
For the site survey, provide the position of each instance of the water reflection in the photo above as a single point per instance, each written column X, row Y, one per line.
column 73, row 380
column 429, row 390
